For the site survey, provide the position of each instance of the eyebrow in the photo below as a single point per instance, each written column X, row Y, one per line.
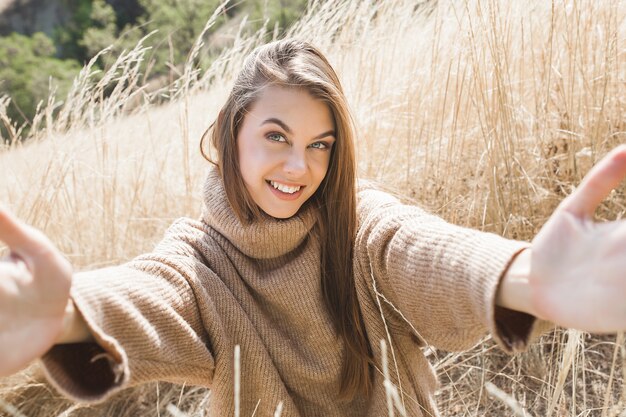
column 286, row 128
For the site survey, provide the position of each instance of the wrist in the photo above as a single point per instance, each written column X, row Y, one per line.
column 75, row 329
column 514, row 290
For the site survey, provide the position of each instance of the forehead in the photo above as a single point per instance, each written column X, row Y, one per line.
column 292, row 106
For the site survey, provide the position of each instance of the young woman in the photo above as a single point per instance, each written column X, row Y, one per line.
column 305, row 270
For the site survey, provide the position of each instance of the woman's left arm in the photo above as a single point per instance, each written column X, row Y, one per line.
column 574, row 275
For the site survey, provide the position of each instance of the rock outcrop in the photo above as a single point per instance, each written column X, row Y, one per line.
column 30, row 16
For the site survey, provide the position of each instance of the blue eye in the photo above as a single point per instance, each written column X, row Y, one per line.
column 276, row 137
column 320, row 145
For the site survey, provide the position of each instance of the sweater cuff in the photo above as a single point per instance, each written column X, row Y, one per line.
column 514, row 330
column 87, row 372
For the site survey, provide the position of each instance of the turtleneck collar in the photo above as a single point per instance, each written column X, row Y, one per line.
column 263, row 239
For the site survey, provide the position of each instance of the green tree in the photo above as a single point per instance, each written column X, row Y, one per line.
column 179, row 23
column 27, row 69
column 103, row 29
column 278, row 12
column 97, row 24
column 67, row 37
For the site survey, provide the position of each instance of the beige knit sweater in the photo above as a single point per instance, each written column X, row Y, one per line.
column 177, row 313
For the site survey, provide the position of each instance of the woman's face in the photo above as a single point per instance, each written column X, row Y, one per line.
column 284, row 145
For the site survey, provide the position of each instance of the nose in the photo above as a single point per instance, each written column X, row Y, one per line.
column 295, row 165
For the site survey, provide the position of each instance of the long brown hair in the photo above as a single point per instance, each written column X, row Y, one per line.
column 295, row 64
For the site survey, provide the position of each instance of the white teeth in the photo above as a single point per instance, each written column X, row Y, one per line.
column 285, row 188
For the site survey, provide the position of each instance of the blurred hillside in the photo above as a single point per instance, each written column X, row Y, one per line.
column 44, row 43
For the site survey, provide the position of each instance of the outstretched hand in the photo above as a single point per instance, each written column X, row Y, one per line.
column 35, row 281
column 578, row 267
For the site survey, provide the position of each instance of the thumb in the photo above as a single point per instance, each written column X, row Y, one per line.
column 21, row 238
column 606, row 175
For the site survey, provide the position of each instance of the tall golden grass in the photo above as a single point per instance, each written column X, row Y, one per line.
column 487, row 112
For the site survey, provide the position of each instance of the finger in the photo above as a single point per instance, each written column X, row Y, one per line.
column 20, row 237
column 32, row 247
column 606, row 175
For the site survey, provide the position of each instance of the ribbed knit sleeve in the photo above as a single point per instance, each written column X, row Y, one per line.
column 145, row 319
column 442, row 278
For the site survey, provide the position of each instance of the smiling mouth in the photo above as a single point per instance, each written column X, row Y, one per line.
column 287, row 189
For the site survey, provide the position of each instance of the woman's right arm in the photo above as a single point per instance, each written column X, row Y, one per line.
column 129, row 324
column 150, row 318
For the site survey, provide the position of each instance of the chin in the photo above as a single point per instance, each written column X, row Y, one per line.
column 280, row 214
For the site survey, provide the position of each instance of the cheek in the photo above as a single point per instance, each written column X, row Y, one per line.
column 256, row 156
column 248, row 156
column 320, row 165
column 255, row 161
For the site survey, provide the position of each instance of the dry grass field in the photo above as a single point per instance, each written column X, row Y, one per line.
column 487, row 112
